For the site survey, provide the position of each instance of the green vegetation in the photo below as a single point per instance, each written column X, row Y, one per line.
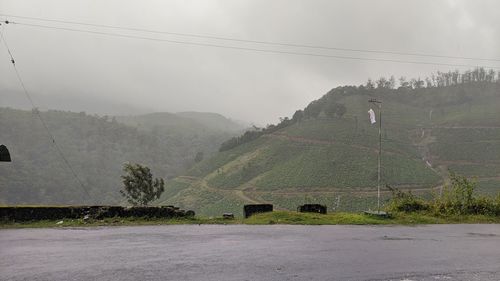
column 113, row 222
column 457, row 199
column 287, row 217
column 488, row 187
column 96, row 147
column 341, row 201
column 342, row 166
column 448, row 121
column 324, row 152
column 456, row 203
column 277, row 217
column 139, row 187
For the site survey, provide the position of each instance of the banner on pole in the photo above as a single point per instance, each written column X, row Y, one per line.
column 371, row 113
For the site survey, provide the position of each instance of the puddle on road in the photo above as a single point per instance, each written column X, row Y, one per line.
column 482, row 234
column 396, row 238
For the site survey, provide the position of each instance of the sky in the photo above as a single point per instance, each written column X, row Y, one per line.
column 111, row 75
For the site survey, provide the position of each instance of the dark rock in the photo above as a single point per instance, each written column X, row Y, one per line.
column 251, row 209
column 228, row 216
column 312, row 208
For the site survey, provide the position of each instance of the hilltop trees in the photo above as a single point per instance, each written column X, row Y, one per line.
column 298, row 115
column 139, row 188
column 382, row 82
column 313, row 109
column 440, row 79
column 328, row 105
column 333, row 109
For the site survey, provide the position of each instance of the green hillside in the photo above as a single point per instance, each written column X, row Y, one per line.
column 96, row 147
column 327, row 153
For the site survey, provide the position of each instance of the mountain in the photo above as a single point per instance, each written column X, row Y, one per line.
column 96, row 147
column 327, row 153
column 185, row 121
column 214, row 121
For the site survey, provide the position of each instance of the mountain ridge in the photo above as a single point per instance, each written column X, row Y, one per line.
column 96, row 147
column 326, row 152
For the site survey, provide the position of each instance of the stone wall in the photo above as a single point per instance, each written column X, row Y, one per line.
column 22, row 213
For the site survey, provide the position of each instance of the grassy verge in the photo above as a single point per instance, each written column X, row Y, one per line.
column 283, row 217
column 278, row 217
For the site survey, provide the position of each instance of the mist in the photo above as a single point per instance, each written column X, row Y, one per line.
column 119, row 76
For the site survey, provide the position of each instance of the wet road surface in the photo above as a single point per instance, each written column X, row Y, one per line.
column 241, row 252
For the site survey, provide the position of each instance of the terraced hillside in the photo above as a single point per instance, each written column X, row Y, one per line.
column 327, row 153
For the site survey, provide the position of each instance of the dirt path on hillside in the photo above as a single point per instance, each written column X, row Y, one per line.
column 462, row 127
column 343, row 191
column 244, row 197
column 202, row 182
column 467, row 162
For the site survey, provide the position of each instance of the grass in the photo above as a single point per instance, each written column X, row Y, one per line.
column 277, row 217
column 338, row 202
column 285, row 217
column 113, row 222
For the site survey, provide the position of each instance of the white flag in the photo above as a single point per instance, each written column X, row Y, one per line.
column 372, row 116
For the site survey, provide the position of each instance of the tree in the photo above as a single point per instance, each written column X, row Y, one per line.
column 313, row 109
column 298, row 115
column 198, row 157
column 417, row 83
column 330, row 109
column 382, row 83
column 341, row 110
column 370, row 85
column 403, row 83
column 138, row 185
column 392, row 82
column 333, row 109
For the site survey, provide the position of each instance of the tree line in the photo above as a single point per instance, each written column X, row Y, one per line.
column 328, row 106
column 440, row 79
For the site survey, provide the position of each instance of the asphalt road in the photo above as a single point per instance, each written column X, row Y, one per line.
column 240, row 252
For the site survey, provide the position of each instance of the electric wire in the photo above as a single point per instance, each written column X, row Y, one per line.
column 50, row 135
column 252, row 49
column 253, row 41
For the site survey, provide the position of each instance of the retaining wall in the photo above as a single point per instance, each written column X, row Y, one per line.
column 22, row 213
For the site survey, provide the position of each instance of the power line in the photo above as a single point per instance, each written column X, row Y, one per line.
column 252, row 49
column 254, row 41
column 51, row 136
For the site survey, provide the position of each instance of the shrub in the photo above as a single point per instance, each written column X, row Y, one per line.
column 459, row 198
column 405, row 201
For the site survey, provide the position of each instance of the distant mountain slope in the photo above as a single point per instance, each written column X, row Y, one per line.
column 328, row 151
column 213, row 121
column 96, row 147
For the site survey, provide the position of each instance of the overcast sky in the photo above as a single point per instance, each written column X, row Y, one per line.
column 112, row 75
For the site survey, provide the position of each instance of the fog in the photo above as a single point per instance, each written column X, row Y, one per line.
column 105, row 74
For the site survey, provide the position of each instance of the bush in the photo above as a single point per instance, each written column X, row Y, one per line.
column 458, row 198
column 406, row 202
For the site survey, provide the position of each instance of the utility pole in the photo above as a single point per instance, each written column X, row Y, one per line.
column 379, row 105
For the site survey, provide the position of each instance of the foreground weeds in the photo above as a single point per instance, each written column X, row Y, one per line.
column 457, row 200
column 277, row 217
